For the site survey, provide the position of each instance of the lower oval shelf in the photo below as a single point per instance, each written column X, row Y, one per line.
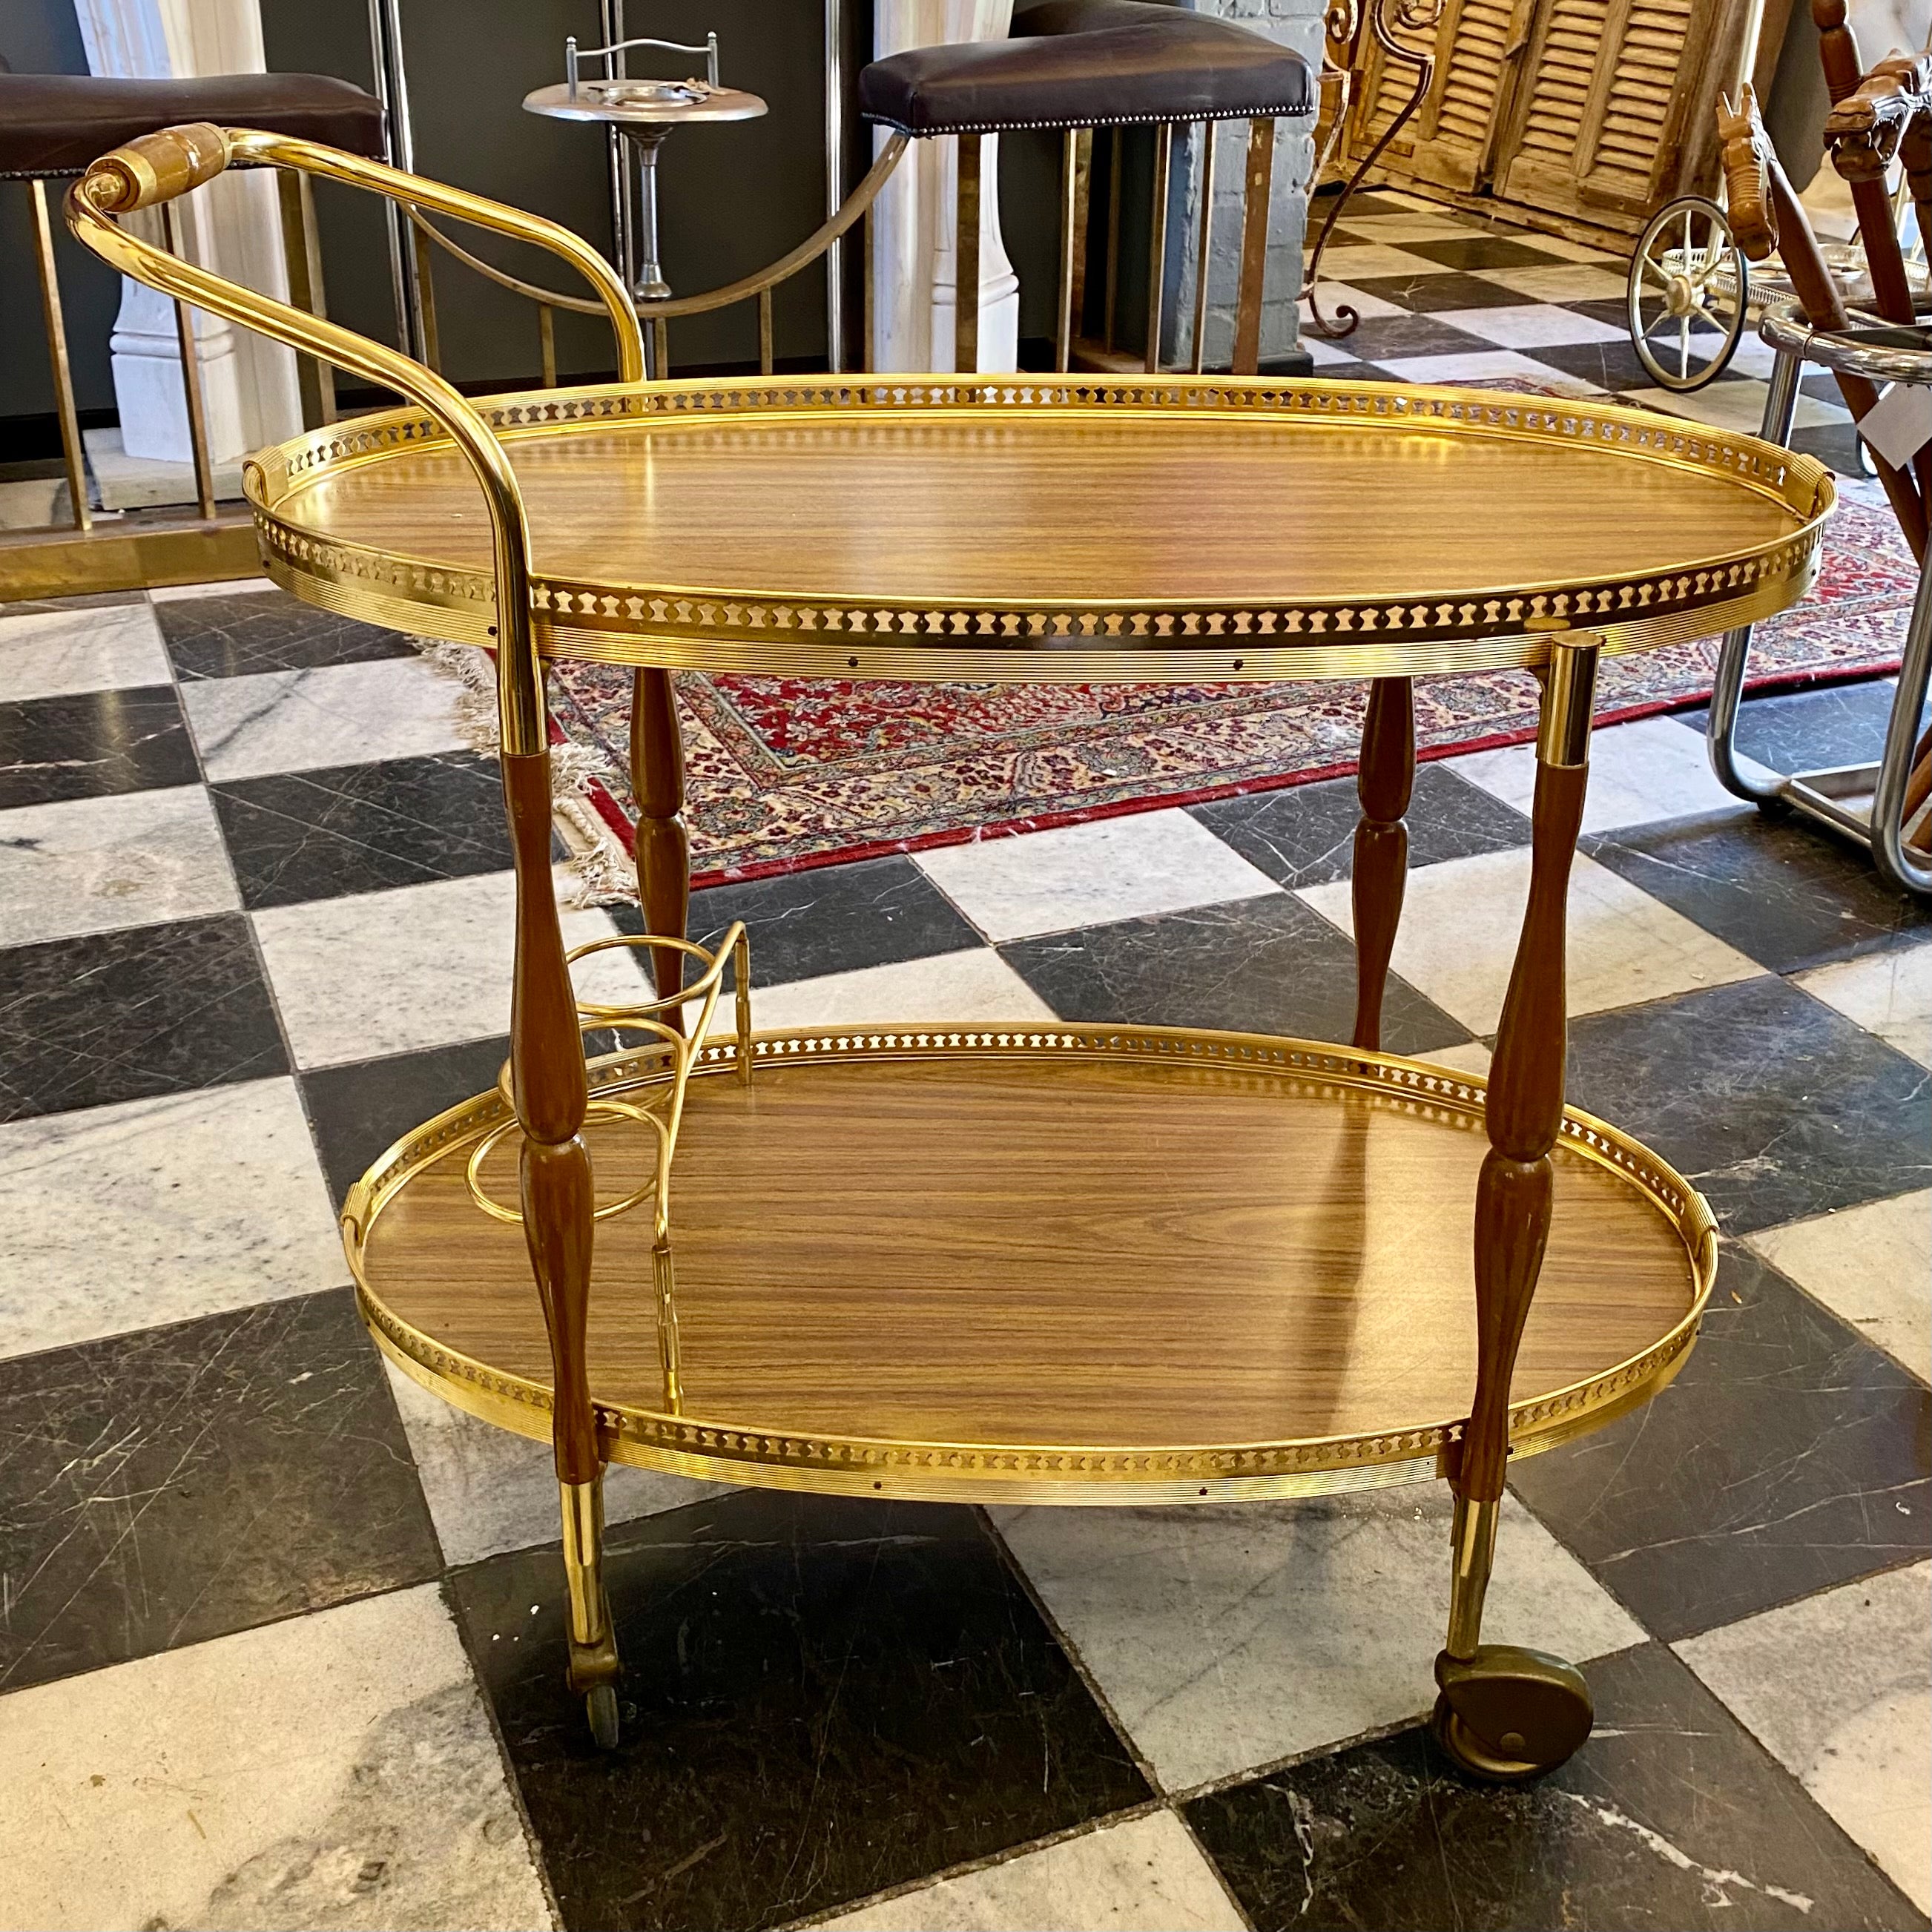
column 1071, row 1264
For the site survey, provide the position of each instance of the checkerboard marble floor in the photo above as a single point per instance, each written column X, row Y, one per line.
column 280, row 1636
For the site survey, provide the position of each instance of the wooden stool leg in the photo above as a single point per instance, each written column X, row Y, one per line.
column 1506, row 1713
column 548, row 1080
column 1386, row 778
column 664, row 847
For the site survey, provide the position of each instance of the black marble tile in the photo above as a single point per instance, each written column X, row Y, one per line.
column 119, row 1016
column 1809, row 730
column 1789, row 1455
column 1370, row 202
column 821, row 1699
column 1260, row 965
column 1786, row 891
column 1670, row 1818
column 358, row 1110
column 1773, row 1104
column 361, row 828
column 1424, row 294
column 832, row 920
column 1609, row 365
column 162, row 1487
column 266, row 630
column 1834, row 444
column 1304, row 835
column 1348, row 371
column 1486, row 251
column 1392, row 338
column 92, row 743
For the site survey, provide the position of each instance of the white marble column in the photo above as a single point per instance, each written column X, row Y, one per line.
column 912, row 241
column 232, row 226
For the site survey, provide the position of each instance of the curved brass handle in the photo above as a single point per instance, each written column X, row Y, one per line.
column 157, row 167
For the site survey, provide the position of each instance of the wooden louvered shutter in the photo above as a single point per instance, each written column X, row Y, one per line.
column 1613, row 93
column 1449, row 140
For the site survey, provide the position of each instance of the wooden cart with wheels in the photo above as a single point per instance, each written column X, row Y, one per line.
column 1055, row 1263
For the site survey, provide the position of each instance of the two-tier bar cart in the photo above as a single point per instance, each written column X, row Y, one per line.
column 1047, row 1264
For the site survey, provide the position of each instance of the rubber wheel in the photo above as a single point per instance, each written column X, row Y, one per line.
column 1462, row 1747
column 600, row 1704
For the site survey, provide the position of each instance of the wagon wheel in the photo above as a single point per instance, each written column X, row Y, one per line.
column 1690, row 286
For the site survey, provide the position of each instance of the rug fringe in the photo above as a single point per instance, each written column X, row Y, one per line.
column 599, row 868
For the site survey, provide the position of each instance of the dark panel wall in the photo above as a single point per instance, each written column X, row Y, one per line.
column 733, row 197
column 41, row 37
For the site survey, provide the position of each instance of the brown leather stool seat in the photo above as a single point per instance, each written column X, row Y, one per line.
column 1089, row 64
column 57, row 123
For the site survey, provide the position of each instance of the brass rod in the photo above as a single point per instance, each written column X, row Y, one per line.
column 660, row 349
column 1063, row 334
column 1254, row 247
column 867, row 299
column 197, row 410
column 1082, row 139
column 547, row 343
column 1204, row 248
column 72, row 454
column 1115, row 135
column 425, row 307
column 1163, row 163
column 302, row 256
column 765, row 333
column 966, row 261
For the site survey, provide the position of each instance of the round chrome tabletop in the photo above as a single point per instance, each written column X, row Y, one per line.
column 657, row 103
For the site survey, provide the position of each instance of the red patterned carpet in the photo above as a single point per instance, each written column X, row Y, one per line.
column 786, row 773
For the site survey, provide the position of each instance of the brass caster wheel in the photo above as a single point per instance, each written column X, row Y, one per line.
column 600, row 1704
column 1507, row 1714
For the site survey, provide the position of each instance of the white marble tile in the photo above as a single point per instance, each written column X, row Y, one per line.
column 1889, row 994
column 1838, row 1688
column 1650, row 768
column 1561, row 282
column 235, row 586
column 1225, row 1638
column 1488, row 365
column 1335, row 295
column 380, row 973
column 90, row 865
column 1357, row 262
column 1147, row 1875
column 1321, row 353
column 147, row 1211
column 1532, row 325
column 1871, row 1265
column 297, row 721
column 1471, row 1056
column 112, row 646
column 1738, row 406
column 1076, row 875
column 333, row 1770
column 975, row 986
column 1460, row 923
column 490, row 1491
column 1393, row 230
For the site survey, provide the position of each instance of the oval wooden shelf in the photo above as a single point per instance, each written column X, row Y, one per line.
column 1037, row 528
column 1082, row 1264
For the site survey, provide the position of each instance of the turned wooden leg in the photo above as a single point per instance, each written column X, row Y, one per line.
column 1506, row 1713
column 664, row 849
column 548, row 1080
column 1386, row 777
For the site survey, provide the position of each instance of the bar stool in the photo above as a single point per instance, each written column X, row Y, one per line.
column 52, row 126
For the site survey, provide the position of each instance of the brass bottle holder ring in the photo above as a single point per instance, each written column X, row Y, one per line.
column 642, row 1017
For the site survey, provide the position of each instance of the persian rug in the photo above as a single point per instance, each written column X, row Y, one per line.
column 786, row 773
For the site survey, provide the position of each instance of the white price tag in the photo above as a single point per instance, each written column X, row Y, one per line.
column 1899, row 424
